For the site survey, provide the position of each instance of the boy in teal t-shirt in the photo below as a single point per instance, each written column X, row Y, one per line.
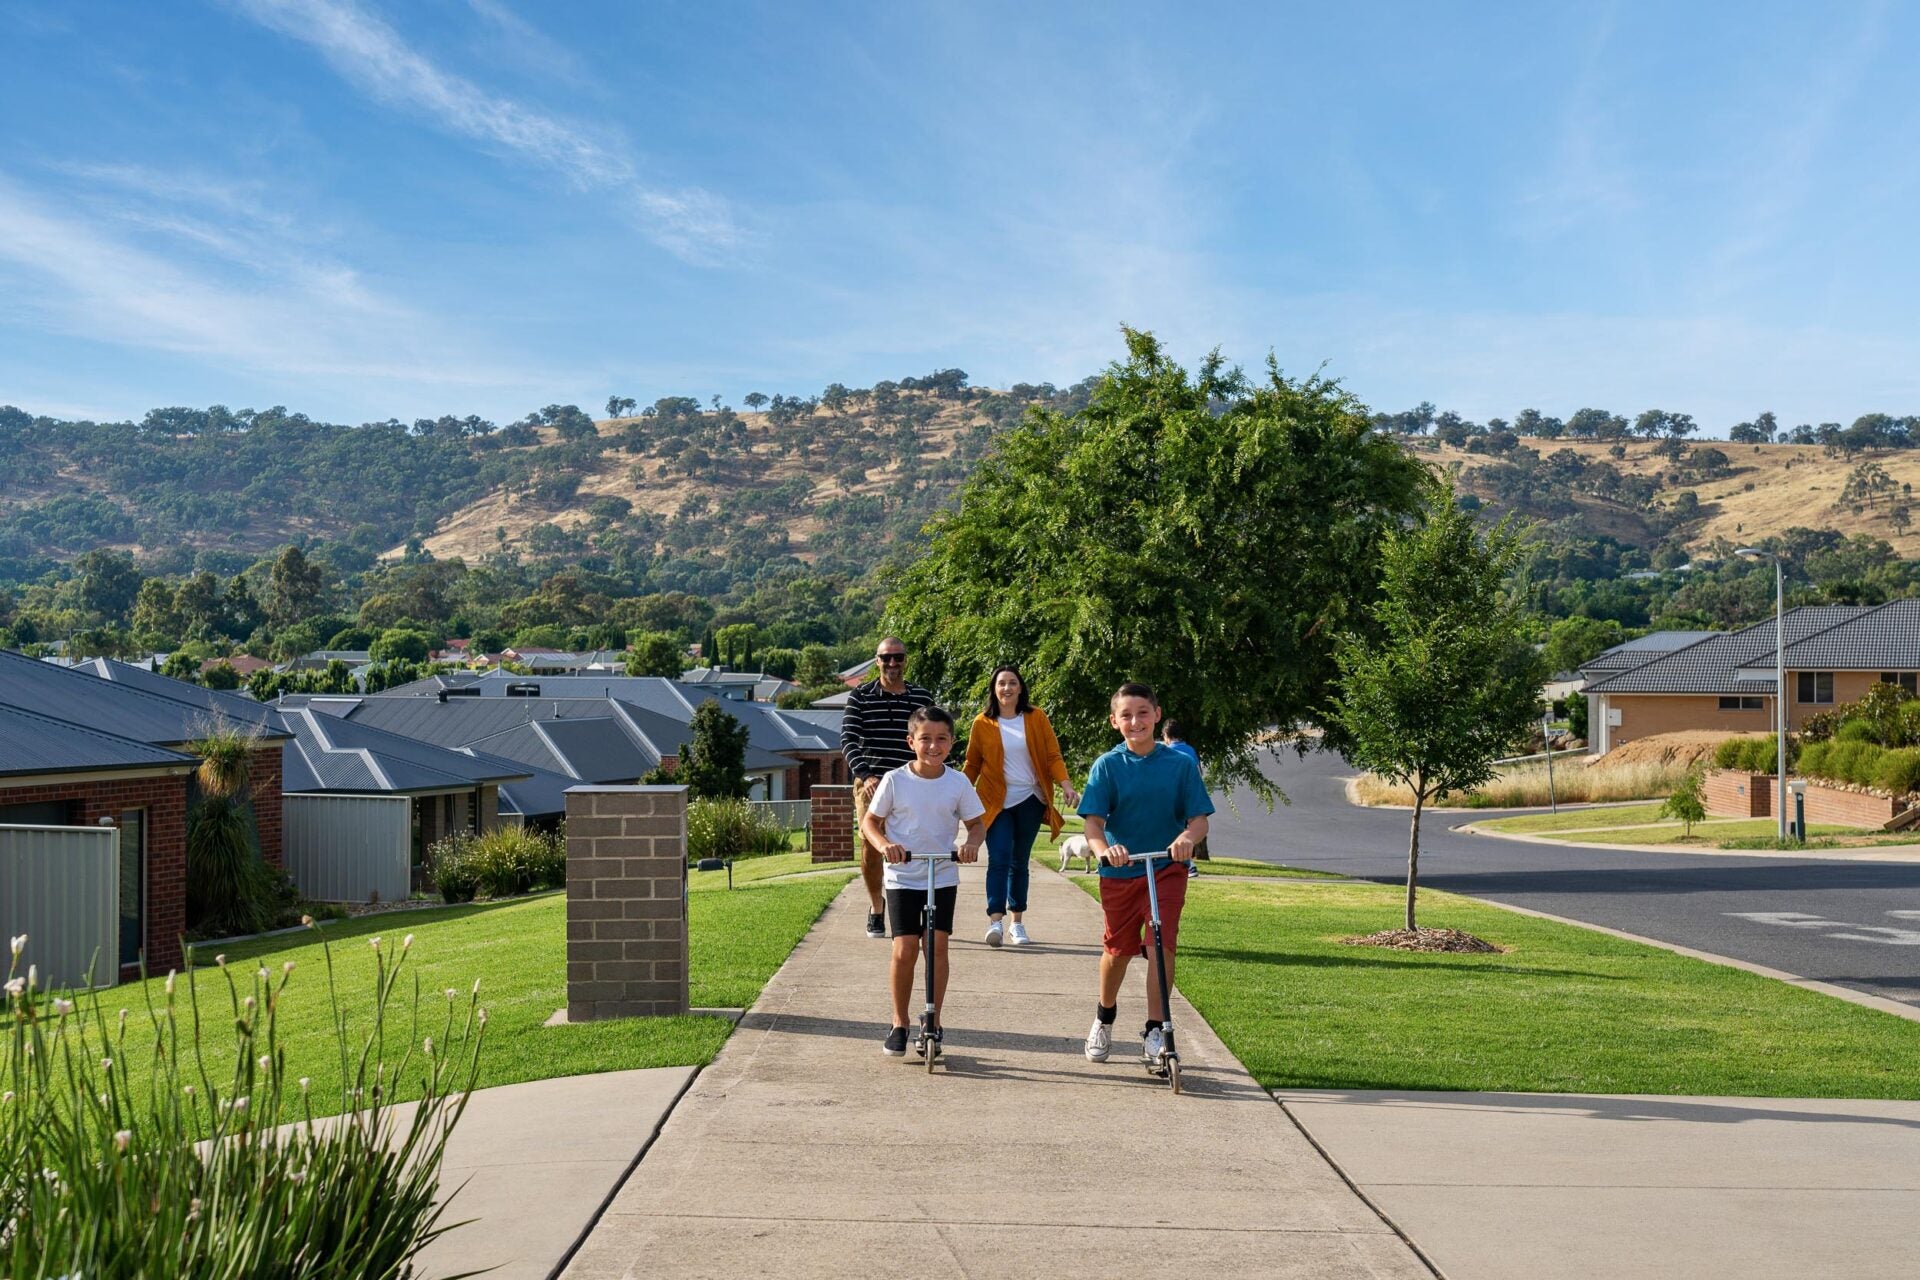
column 1141, row 795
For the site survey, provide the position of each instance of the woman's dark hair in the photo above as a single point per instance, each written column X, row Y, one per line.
column 993, row 699
column 929, row 715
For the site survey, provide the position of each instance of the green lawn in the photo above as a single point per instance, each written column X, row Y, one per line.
column 1564, row 1010
column 748, row 870
column 517, row 950
column 1639, row 824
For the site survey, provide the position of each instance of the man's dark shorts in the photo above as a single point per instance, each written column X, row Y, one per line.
column 907, row 910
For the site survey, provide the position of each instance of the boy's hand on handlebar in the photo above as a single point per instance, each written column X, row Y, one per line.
column 1115, row 856
column 970, row 851
column 1181, row 848
column 894, row 852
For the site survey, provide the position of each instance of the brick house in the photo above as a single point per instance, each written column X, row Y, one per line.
column 125, row 711
column 1725, row 681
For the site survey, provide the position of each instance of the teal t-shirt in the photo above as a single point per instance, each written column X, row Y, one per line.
column 1146, row 800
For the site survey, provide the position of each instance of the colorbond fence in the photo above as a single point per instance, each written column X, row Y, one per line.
column 61, row 887
column 350, row 848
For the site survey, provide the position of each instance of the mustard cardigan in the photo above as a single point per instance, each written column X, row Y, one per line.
column 986, row 765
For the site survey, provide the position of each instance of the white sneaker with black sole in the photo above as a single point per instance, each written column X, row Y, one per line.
column 1099, row 1041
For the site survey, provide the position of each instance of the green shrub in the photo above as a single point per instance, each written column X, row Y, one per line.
column 1899, row 771
column 498, row 864
column 1730, row 754
column 732, row 829
column 1856, row 731
column 1751, row 755
column 190, row 1174
column 1686, row 805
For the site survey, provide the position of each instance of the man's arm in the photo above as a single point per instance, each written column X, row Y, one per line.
column 853, row 737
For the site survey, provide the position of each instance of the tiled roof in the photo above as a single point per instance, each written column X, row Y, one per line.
column 1714, row 665
column 31, row 744
column 1886, row 638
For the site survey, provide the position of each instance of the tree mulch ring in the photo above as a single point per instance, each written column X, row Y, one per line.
column 1425, row 940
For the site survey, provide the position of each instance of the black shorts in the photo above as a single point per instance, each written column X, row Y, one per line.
column 907, row 910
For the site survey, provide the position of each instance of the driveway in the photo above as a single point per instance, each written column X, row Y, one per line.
column 1852, row 923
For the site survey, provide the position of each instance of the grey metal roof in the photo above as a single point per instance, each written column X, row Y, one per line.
column 235, row 708
column 1714, row 665
column 542, row 794
column 31, row 743
column 329, row 753
column 119, row 708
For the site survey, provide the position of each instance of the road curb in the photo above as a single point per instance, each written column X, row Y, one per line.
column 1899, row 854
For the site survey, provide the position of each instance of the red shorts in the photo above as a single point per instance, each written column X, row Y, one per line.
column 1124, row 902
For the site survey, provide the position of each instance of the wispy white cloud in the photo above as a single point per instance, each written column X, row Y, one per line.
column 111, row 278
column 370, row 54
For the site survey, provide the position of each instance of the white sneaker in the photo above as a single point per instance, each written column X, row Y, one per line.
column 994, row 934
column 1099, row 1041
column 1153, row 1047
column 1017, row 935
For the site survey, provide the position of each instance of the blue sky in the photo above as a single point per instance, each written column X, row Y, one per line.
column 365, row 209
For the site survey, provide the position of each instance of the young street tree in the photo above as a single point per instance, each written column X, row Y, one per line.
column 714, row 764
column 1448, row 682
column 1208, row 534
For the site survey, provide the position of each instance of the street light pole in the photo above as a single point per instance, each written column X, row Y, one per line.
column 1779, row 675
column 1780, row 686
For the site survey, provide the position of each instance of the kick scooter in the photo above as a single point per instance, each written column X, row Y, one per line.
column 1168, row 1063
column 929, row 1043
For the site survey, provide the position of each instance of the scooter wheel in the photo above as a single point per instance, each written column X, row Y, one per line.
column 1173, row 1074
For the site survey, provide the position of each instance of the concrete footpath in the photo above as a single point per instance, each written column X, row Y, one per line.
column 1536, row 1186
column 803, row 1151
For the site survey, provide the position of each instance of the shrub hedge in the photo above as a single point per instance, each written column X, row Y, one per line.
column 732, row 829
column 498, row 864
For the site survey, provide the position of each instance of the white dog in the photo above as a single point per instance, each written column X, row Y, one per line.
column 1077, row 847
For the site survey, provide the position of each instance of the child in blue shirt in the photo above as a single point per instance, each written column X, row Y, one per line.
column 1147, row 796
column 1174, row 734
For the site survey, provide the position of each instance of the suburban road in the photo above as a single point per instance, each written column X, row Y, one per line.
column 1851, row 923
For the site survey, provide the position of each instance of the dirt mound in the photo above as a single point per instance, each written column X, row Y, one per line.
column 1425, row 940
column 1685, row 749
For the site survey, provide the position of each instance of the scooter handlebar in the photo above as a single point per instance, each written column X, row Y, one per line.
column 1150, row 855
column 951, row 855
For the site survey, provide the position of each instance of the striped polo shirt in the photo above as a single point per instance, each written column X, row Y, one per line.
column 873, row 731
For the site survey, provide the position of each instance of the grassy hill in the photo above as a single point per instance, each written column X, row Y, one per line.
column 1763, row 491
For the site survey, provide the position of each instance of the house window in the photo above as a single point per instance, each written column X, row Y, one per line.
column 133, row 884
column 1905, row 679
column 1816, row 686
column 1745, row 702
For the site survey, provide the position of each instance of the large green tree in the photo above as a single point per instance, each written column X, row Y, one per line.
column 1207, row 533
column 653, row 653
column 1445, row 682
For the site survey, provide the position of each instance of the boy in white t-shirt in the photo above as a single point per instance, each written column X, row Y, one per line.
column 917, row 808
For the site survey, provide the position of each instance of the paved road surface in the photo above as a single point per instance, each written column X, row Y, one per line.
column 1852, row 923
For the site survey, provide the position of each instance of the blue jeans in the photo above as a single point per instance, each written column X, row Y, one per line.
column 1009, row 846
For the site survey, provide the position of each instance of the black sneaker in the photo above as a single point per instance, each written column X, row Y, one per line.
column 896, row 1043
column 876, row 924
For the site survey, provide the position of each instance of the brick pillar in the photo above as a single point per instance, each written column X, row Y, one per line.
column 832, row 824
column 489, row 800
column 264, row 771
column 626, row 902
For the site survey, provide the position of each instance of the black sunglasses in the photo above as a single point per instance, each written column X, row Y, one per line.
column 891, row 658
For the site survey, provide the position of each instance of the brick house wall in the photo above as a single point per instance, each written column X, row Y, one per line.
column 1645, row 714
column 165, row 802
column 263, row 770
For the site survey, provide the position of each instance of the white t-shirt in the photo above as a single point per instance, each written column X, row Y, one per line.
column 1017, row 768
column 924, row 815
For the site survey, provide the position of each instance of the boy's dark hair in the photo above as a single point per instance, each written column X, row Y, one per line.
column 929, row 715
column 1173, row 730
column 993, row 699
column 1134, row 689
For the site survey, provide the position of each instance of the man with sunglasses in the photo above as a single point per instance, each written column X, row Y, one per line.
column 873, row 737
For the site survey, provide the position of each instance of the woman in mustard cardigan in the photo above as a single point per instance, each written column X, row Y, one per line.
column 1013, row 761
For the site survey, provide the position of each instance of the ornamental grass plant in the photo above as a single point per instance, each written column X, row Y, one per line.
column 501, row 863
column 222, row 1173
column 732, row 829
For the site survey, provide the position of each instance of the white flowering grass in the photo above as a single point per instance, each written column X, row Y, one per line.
column 184, row 1170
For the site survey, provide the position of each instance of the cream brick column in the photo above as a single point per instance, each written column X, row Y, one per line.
column 626, row 902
